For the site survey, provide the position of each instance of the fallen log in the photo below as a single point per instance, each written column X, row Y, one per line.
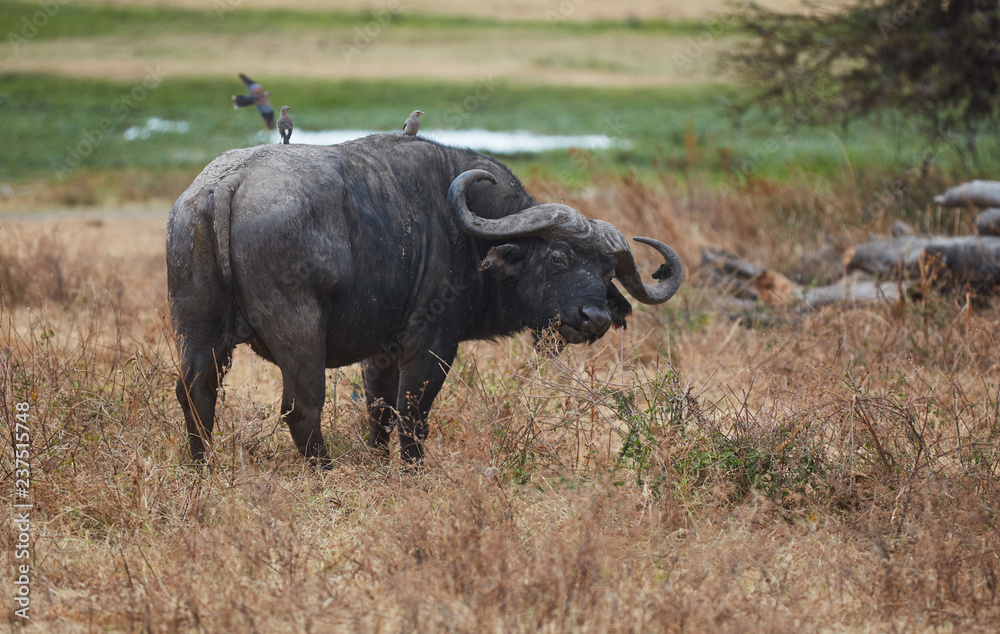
column 886, row 257
column 727, row 269
column 901, row 229
column 965, row 259
column 749, row 282
column 988, row 223
column 853, row 288
column 975, row 193
column 729, row 264
column 777, row 290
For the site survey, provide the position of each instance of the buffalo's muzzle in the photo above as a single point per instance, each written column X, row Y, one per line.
column 596, row 321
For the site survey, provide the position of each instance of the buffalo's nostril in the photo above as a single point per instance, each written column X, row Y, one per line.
column 596, row 320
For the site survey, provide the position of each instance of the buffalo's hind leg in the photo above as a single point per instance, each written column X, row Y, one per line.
column 202, row 369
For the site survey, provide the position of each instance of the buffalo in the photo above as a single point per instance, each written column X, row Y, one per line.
column 388, row 250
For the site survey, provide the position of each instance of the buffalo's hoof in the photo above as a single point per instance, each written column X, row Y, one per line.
column 325, row 462
column 411, row 450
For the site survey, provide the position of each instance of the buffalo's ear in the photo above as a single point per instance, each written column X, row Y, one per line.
column 618, row 306
column 506, row 258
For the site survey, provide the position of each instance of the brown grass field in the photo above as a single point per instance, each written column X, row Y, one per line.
column 834, row 470
column 615, row 59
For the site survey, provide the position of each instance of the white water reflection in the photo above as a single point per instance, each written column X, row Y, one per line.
column 155, row 124
column 477, row 139
column 505, row 142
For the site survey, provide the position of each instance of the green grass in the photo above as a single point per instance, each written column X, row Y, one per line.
column 686, row 131
column 50, row 120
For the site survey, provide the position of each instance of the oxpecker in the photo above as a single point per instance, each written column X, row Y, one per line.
column 285, row 125
column 412, row 124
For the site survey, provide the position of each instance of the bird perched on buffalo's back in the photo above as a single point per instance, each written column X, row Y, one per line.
column 412, row 124
column 258, row 97
column 285, row 125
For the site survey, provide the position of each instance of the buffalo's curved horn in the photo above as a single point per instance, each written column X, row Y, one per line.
column 539, row 221
column 607, row 238
column 555, row 220
column 669, row 275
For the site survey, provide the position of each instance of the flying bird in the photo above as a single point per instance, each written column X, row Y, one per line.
column 412, row 123
column 285, row 125
column 258, row 97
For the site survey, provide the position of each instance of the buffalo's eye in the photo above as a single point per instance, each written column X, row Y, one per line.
column 558, row 261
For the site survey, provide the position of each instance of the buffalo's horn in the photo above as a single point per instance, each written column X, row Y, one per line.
column 554, row 220
column 669, row 275
column 539, row 221
column 607, row 238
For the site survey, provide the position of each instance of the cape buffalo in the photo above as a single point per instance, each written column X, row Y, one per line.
column 324, row 256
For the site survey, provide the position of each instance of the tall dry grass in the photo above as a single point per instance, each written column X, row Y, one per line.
column 832, row 470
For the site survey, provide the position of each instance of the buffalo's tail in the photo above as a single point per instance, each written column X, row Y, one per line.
column 221, row 219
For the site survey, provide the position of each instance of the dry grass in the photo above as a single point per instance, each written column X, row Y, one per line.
column 128, row 190
column 613, row 59
column 831, row 471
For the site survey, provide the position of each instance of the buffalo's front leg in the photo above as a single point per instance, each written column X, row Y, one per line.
column 302, row 397
column 303, row 379
column 420, row 380
column 381, row 392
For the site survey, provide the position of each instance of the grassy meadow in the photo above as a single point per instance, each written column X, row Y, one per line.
column 711, row 468
column 72, row 90
column 71, row 145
